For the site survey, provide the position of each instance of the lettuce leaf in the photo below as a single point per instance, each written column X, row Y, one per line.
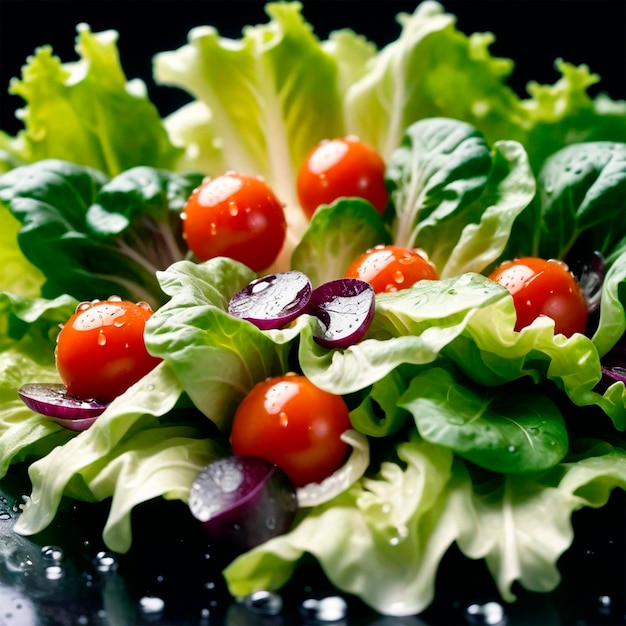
column 217, row 358
column 398, row 525
column 93, row 236
column 266, row 100
column 455, row 197
column 86, row 112
column 126, row 446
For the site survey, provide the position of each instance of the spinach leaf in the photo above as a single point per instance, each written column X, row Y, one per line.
column 509, row 428
column 92, row 236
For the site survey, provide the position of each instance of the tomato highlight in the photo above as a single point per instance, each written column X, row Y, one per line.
column 290, row 422
column 345, row 167
column 544, row 287
column 392, row 268
column 235, row 216
column 100, row 351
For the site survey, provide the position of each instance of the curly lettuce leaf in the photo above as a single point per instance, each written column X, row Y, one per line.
column 86, row 112
column 384, row 538
column 411, row 326
column 92, row 236
column 217, row 358
column 421, row 74
column 130, row 445
column 266, row 100
column 28, row 332
column 379, row 540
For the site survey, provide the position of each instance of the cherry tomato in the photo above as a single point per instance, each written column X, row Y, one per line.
column 392, row 268
column 100, row 351
column 342, row 168
column 236, row 216
column 295, row 425
column 544, row 287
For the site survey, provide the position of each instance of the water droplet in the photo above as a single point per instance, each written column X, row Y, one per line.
column 264, row 602
column 398, row 276
column 511, row 448
column 105, row 562
column 102, row 338
column 52, row 553
column 5, row 516
column 54, row 572
column 209, row 585
column 151, row 605
column 283, row 419
column 329, row 609
column 488, row 614
column 213, row 228
column 233, row 209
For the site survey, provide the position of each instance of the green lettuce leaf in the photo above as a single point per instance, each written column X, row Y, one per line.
column 454, row 196
column 86, row 112
column 581, row 199
column 336, row 236
column 217, row 358
column 384, row 538
column 92, row 236
column 266, row 100
column 509, row 429
column 421, row 74
column 28, row 330
column 127, row 446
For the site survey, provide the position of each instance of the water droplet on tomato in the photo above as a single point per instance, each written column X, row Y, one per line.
column 213, row 228
column 102, row 338
column 398, row 276
column 114, row 298
column 233, row 209
column 83, row 306
column 143, row 305
column 283, row 419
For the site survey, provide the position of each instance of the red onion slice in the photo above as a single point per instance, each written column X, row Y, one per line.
column 53, row 401
column 344, row 309
column 272, row 301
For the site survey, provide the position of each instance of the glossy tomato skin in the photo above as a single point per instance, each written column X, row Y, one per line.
column 342, row 167
column 235, row 216
column 544, row 287
column 392, row 268
column 295, row 425
column 100, row 351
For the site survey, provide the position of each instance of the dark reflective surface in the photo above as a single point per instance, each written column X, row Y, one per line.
column 172, row 577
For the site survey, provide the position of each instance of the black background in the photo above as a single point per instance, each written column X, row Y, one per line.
column 531, row 32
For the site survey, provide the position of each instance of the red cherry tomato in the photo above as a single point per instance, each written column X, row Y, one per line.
column 295, row 425
column 342, row 168
column 544, row 287
column 236, row 216
column 100, row 351
column 392, row 268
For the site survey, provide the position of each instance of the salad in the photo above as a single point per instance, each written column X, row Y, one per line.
column 464, row 430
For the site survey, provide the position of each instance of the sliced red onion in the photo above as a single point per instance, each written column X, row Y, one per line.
column 344, row 309
column 53, row 401
column 243, row 501
column 272, row 301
